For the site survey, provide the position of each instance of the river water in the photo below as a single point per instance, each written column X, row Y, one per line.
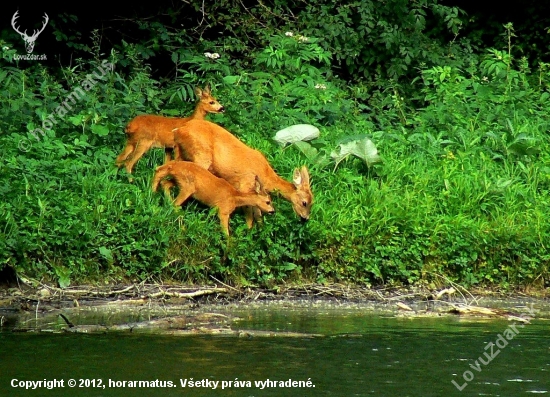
column 348, row 351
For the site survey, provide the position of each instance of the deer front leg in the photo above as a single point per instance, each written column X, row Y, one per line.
column 250, row 213
column 224, row 221
column 257, row 214
column 249, row 216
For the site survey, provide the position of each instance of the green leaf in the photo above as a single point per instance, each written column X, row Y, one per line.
column 309, row 151
column 363, row 148
column 76, row 120
column 231, row 79
column 366, row 150
column 64, row 276
column 106, row 253
column 100, row 130
column 288, row 266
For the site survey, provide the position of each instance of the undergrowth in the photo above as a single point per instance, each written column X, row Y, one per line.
column 461, row 191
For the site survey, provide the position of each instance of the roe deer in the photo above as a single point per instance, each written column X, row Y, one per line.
column 147, row 131
column 217, row 150
column 196, row 181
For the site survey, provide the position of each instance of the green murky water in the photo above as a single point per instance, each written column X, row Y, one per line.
column 358, row 353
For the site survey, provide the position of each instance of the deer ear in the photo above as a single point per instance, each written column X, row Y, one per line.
column 297, row 177
column 198, row 91
column 258, row 187
column 207, row 89
column 305, row 175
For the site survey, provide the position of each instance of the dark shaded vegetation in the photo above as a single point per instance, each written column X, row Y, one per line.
column 456, row 104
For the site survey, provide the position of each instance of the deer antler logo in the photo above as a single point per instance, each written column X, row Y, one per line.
column 29, row 40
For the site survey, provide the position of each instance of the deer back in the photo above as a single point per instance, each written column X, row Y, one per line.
column 160, row 128
column 155, row 128
column 216, row 149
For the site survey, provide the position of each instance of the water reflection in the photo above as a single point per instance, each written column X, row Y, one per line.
column 359, row 354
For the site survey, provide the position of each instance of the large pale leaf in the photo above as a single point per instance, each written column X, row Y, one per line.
column 296, row 133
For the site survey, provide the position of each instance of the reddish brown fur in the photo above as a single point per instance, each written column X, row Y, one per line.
column 150, row 131
column 195, row 181
column 220, row 152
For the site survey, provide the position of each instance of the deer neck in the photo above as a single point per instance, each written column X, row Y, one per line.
column 242, row 199
column 276, row 183
column 199, row 112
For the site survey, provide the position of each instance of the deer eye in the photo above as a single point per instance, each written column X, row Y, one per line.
column 304, row 203
column 212, row 102
column 268, row 202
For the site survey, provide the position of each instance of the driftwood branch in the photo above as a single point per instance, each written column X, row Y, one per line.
column 188, row 295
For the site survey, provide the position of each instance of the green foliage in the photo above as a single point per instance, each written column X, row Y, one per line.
column 462, row 190
column 367, row 38
column 388, row 38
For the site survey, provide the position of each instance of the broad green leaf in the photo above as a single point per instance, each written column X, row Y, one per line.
column 64, row 276
column 309, row 151
column 231, row 79
column 76, row 120
column 99, row 129
column 363, row 148
column 106, row 253
column 366, row 150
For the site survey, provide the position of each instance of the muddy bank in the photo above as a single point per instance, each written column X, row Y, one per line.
column 184, row 310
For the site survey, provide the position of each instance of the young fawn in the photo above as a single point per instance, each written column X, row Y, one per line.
column 220, row 152
column 196, row 181
column 149, row 131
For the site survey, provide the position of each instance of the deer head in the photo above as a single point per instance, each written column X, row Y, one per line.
column 29, row 40
column 302, row 197
column 207, row 102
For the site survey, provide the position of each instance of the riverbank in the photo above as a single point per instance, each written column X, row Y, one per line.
column 214, row 309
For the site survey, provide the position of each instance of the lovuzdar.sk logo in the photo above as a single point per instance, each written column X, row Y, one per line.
column 28, row 39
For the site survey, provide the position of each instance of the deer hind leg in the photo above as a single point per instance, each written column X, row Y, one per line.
column 187, row 188
column 159, row 174
column 142, row 148
column 203, row 160
column 177, row 153
column 124, row 155
column 198, row 154
column 166, row 186
column 168, row 154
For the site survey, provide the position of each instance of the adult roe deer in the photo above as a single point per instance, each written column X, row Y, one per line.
column 196, row 181
column 217, row 150
column 148, row 131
